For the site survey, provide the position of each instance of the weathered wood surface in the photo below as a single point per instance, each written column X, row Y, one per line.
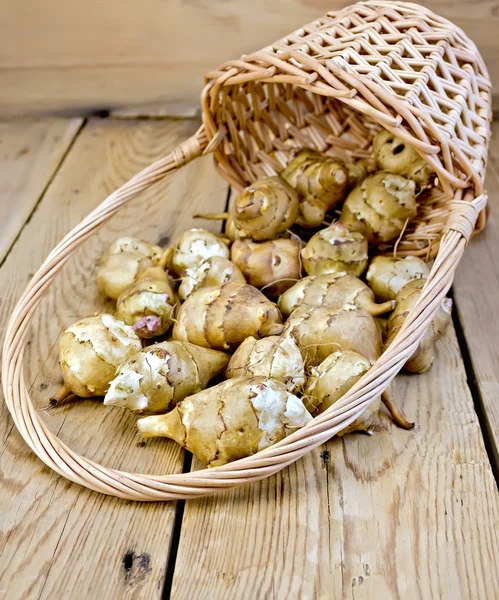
column 80, row 56
column 59, row 540
column 30, row 152
column 396, row 515
column 477, row 292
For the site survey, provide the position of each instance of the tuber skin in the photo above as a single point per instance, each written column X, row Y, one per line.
column 422, row 359
column 335, row 290
column 321, row 330
column 158, row 377
column 273, row 265
column 120, row 271
column 332, row 379
column 223, row 317
column 335, row 249
column 273, row 357
column 214, row 271
column 91, row 350
column 387, row 275
column 131, row 244
column 321, row 183
column 380, row 206
column 394, row 155
column 357, row 172
column 232, row 420
column 194, row 247
column 148, row 304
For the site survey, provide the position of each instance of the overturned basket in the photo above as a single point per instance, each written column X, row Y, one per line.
column 330, row 85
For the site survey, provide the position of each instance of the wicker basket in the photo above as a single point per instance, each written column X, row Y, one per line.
column 330, row 85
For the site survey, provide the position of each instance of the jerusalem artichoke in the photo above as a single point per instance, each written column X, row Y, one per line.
column 387, row 275
column 223, row 317
column 131, row 244
column 231, row 420
column 192, row 248
column 161, row 375
column 120, row 271
column 214, row 271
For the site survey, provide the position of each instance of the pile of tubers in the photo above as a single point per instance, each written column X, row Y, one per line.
column 279, row 328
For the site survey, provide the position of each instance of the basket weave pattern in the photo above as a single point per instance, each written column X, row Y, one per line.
column 331, row 86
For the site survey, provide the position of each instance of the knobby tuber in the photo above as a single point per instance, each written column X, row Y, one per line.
column 194, row 247
column 423, row 357
column 148, row 304
column 214, row 271
column 157, row 377
column 274, row 357
column 120, row 271
column 223, row 317
column 380, row 206
column 273, row 265
column 394, row 155
column 131, row 244
column 387, row 275
column 335, row 249
column 91, row 350
column 336, row 290
column 231, row 420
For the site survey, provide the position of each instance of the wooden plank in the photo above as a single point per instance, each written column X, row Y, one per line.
column 57, row 537
column 476, row 289
column 159, row 51
column 30, row 152
column 396, row 515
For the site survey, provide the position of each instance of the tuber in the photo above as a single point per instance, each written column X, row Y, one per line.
column 274, row 357
column 131, row 244
column 321, row 330
column 157, row 377
column 223, row 317
column 231, row 420
column 192, row 248
column 91, row 350
column 321, row 183
column 148, row 304
column 422, row 359
column 120, row 271
column 380, row 206
column 214, row 271
column 273, row 265
column 328, row 382
column 336, row 290
column 387, row 275
column 394, row 155
column 335, row 249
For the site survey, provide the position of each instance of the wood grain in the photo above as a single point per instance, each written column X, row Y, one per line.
column 30, row 152
column 82, row 56
column 58, row 538
column 476, row 290
column 396, row 515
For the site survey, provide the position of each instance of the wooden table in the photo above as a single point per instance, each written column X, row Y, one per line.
column 395, row 515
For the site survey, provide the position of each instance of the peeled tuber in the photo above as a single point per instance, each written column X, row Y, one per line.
column 336, row 290
column 148, row 304
column 194, row 247
column 231, row 420
column 214, row 271
column 397, row 156
column 380, row 206
column 423, row 357
column 273, row 265
column 321, row 183
column 274, row 357
column 335, row 249
column 91, row 350
column 329, row 381
column 387, row 275
column 157, row 377
column 223, row 317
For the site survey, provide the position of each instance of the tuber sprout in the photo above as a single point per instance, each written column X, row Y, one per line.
column 380, row 206
column 273, row 265
column 223, row 317
column 214, row 271
column 335, row 249
column 231, row 420
column 157, row 377
column 274, row 357
column 387, row 275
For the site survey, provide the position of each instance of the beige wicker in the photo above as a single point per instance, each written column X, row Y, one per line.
column 329, row 85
